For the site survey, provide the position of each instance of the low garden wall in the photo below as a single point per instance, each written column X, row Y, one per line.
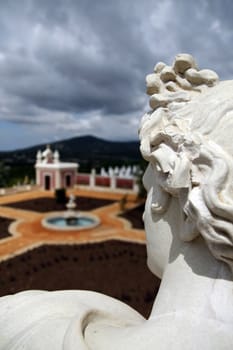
column 112, row 182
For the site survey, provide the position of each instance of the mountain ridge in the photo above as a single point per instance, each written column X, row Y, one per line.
column 81, row 149
column 85, row 137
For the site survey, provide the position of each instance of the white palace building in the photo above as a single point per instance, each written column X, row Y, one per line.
column 51, row 173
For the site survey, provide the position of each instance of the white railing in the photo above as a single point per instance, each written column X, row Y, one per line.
column 112, row 182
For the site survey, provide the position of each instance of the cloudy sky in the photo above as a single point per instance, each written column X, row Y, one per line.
column 77, row 67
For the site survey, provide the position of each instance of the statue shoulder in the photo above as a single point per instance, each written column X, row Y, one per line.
column 174, row 331
column 61, row 316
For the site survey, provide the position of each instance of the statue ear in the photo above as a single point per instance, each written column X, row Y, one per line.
column 199, row 171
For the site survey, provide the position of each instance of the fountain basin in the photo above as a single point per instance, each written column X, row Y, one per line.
column 78, row 221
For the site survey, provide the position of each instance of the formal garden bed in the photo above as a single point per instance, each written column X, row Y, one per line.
column 115, row 268
column 4, row 227
column 134, row 216
column 46, row 204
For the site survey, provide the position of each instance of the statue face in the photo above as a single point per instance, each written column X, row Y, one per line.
column 164, row 222
column 158, row 232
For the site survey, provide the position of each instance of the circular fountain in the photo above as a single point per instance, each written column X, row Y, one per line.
column 70, row 219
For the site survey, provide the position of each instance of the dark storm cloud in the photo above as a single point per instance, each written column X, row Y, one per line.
column 84, row 63
column 74, row 56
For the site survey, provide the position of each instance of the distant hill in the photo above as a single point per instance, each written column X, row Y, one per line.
column 86, row 150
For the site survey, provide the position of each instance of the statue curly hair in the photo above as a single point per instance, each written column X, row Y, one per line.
column 186, row 137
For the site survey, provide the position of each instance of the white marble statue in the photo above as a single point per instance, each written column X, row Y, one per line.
column 187, row 140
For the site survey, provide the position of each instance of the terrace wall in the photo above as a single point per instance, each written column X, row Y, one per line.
column 112, row 182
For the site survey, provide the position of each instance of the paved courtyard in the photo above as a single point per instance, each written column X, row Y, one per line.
column 33, row 257
column 27, row 231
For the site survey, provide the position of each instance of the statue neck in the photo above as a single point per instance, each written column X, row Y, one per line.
column 195, row 282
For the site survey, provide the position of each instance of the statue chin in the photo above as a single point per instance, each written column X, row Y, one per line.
column 187, row 139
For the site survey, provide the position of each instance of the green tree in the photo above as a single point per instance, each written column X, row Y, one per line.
column 4, row 173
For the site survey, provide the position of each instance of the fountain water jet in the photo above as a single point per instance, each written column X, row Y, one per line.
column 70, row 219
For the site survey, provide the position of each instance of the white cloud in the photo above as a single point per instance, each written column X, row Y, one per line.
column 80, row 65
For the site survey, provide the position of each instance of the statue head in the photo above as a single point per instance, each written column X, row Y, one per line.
column 187, row 140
